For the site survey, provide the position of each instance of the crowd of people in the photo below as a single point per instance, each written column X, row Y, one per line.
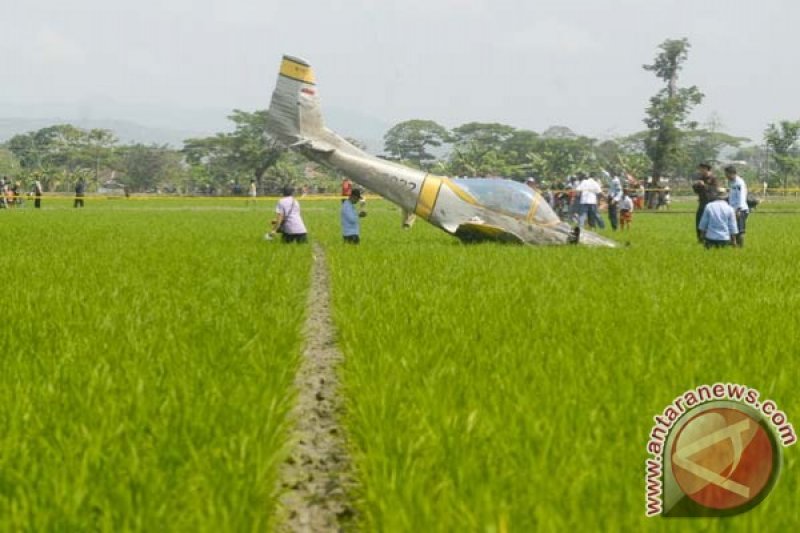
column 10, row 196
column 577, row 200
column 11, row 193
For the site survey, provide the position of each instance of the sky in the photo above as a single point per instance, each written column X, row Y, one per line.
column 528, row 63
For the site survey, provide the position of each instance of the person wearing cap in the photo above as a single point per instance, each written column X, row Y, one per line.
column 738, row 201
column 718, row 222
column 351, row 227
column 705, row 187
column 288, row 221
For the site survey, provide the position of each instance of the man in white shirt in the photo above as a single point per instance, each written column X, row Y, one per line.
column 588, row 190
column 718, row 222
column 738, row 201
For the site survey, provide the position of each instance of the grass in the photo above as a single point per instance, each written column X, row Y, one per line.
column 146, row 359
column 492, row 387
column 148, row 349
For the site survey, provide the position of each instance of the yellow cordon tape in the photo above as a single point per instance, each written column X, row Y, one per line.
column 133, row 197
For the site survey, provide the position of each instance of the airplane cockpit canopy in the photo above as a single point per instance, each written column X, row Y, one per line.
column 510, row 197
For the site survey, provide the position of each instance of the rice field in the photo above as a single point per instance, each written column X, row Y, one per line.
column 146, row 358
column 148, row 348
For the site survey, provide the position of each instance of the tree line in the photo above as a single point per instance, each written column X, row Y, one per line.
column 670, row 146
column 61, row 155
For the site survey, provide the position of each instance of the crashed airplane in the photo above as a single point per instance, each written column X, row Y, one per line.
column 471, row 209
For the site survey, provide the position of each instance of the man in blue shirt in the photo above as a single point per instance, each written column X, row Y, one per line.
column 351, row 227
column 738, row 201
column 718, row 222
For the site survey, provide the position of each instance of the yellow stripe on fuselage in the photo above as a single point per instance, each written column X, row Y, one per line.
column 534, row 207
column 297, row 71
column 459, row 191
column 428, row 194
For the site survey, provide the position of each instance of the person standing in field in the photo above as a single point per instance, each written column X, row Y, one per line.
column 252, row 192
column 351, row 226
column 80, row 189
column 625, row 211
column 9, row 194
column 718, row 222
column 705, row 187
column 640, row 195
column 738, row 201
column 614, row 197
column 288, row 221
column 37, row 193
column 589, row 189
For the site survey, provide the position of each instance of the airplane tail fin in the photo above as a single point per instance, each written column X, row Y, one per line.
column 294, row 114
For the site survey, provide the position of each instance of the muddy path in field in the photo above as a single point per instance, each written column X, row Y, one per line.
column 315, row 479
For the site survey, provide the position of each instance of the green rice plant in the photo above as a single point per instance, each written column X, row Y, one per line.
column 148, row 348
column 146, row 359
column 494, row 388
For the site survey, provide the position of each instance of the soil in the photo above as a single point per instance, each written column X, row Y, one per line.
column 314, row 480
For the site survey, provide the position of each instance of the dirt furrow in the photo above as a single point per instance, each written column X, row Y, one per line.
column 314, row 479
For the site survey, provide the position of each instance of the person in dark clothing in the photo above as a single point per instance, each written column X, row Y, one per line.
column 80, row 189
column 705, row 187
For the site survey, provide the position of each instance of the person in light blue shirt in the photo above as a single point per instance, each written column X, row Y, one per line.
column 738, row 201
column 351, row 225
column 718, row 222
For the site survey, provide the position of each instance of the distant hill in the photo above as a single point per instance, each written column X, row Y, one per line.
column 125, row 130
column 163, row 124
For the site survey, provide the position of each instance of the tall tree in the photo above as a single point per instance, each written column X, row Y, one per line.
column 706, row 145
column 98, row 149
column 411, row 139
column 246, row 153
column 555, row 158
column 8, row 162
column 558, row 132
column 782, row 140
column 146, row 167
column 669, row 110
column 485, row 136
column 478, row 149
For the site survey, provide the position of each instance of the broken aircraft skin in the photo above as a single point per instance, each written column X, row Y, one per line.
column 471, row 209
